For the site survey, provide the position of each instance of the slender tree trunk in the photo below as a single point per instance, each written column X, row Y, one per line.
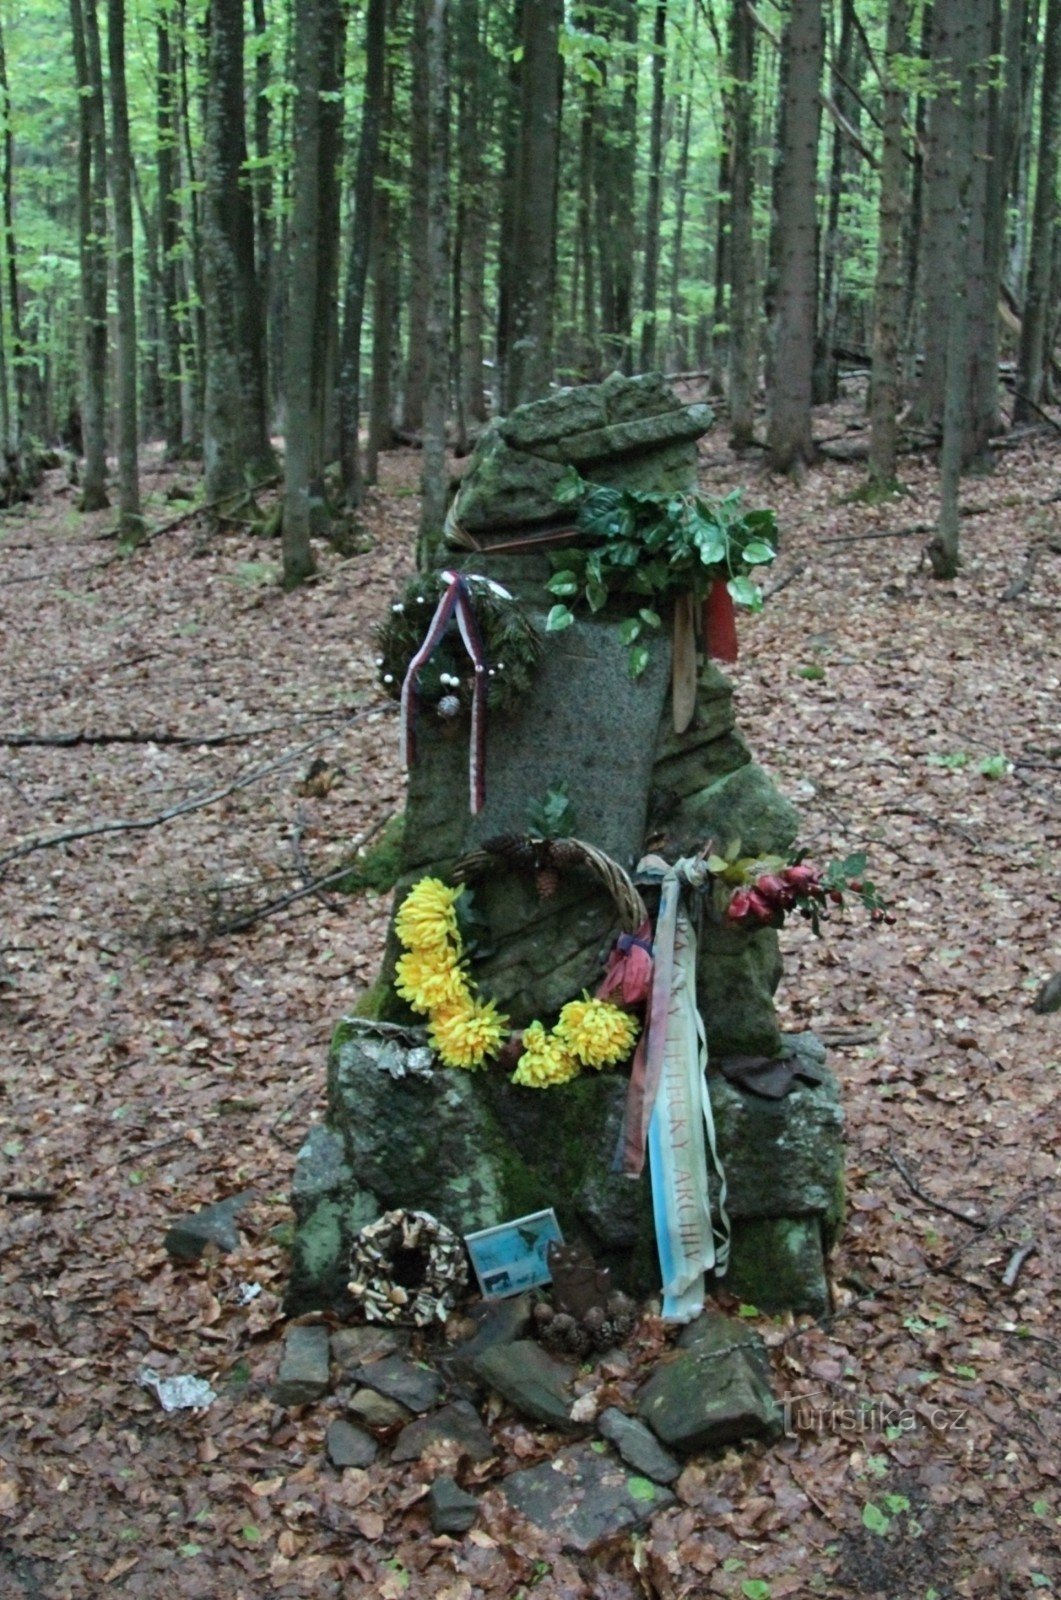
column 264, row 225
column 236, row 441
column 677, row 331
column 13, row 434
column 360, row 250
column 92, row 229
column 314, row 224
column 419, row 279
column 384, row 257
column 528, row 340
column 169, row 230
column 653, row 204
column 961, row 35
column 590, row 358
column 980, row 261
column 471, row 229
column 1033, row 361
column 846, row 72
column 790, row 439
column 130, row 521
column 614, row 166
column 436, row 385
column 940, row 219
column 888, row 298
column 744, row 308
column 194, row 269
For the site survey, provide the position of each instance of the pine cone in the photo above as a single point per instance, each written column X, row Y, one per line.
column 547, row 882
column 514, row 849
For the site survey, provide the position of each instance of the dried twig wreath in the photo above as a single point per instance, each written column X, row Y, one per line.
column 407, row 1267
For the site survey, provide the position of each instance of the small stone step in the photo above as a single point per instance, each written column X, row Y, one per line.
column 304, row 1373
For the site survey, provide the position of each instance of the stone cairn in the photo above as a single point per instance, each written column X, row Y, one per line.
column 404, row 1133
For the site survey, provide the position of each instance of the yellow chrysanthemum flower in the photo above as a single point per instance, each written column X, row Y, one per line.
column 426, row 919
column 544, row 1061
column 431, row 980
column 596, row 1033
column 465, row 1036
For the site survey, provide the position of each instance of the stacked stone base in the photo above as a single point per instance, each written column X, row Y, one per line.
column 477, row 1151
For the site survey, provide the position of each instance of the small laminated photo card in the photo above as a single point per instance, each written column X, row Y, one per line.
column 512, row 1257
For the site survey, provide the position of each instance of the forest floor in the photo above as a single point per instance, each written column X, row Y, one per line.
column 150, row 1063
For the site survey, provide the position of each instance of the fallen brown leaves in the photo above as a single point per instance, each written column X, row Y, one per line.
column 142, row 1076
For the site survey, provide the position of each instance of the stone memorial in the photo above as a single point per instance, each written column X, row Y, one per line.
column 563, row 795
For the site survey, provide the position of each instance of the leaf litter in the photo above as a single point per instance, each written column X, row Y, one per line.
column 152, row 1064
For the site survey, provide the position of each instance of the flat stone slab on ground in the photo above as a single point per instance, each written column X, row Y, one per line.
column 304, row 1369
column 585, row 1496
column 638, row 1445
column 533, row 1382
column 189, row 1236
column 459, row 1422
column 348, row 1446
column 415, row 1387
column 352, row 1347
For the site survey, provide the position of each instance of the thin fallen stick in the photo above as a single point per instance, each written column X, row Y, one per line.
column 184, row 808
column 31, row 1197
column 783, row 583
column 249, row 918
column 930, row 1199
column 1016, row 1261
column 68, row 741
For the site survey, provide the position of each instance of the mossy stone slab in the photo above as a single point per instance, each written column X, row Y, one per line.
column 585, row 1497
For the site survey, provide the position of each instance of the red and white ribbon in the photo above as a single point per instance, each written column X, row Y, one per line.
column 456, row 601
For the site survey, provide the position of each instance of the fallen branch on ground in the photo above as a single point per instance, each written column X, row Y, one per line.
column 930, row 1200
column 783, row 583
column 248, row 918
column 66, row 741
column 184, row 807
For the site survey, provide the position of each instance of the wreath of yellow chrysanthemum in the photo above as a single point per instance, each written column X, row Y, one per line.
column 466, row 1036
column 427, row 919
column 596, row 1033
column 432, row 980
column 544, row 1061
column 465, row 1029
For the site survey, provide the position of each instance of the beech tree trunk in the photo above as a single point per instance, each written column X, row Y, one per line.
column 17, row 413
column 888, row 296
column 384, row 252
column 1033, row 362
column 360, row 251
column 92, row 231
column 470, row 234
column 743, row 294
column 130, row 521
column 789, row 437
column 528, row 335
column 236, row 444
column 314, row 229
column 169, row 221
column 436, row 384
column 653, row 203
column 419, row 276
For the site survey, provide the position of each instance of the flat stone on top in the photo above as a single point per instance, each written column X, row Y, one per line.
column 638, row 1445
column 585, row 1496
column 413, row 1386
column 532, row 1381
column 459, row 1423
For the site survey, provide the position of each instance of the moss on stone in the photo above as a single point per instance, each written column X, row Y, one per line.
column 378, row 867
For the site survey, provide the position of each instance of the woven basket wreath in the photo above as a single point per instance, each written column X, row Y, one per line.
column 548, row 860
column 407, row 1267
column 513, row 648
